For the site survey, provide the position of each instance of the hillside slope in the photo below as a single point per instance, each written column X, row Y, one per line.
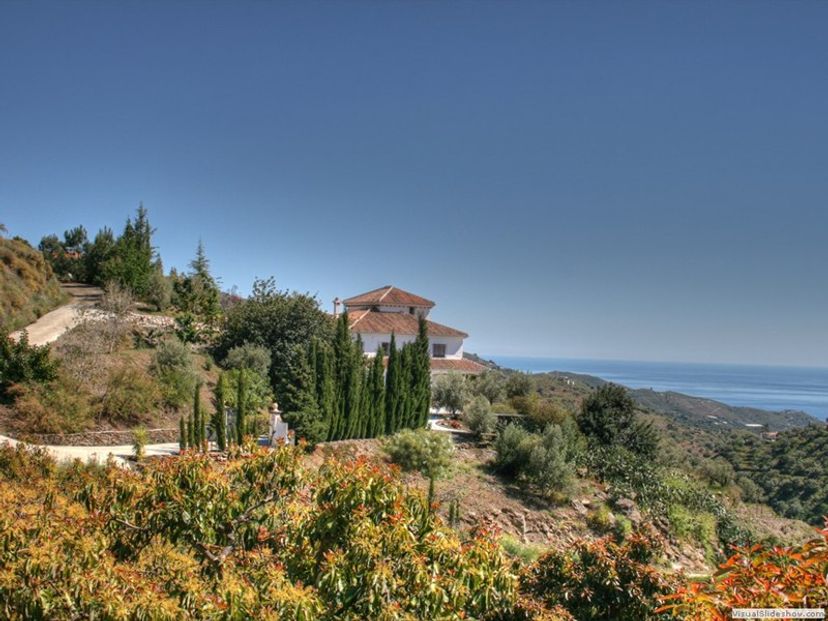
column 696, row 412
column 28, row 288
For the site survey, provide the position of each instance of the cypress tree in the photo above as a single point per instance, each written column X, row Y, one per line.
column 192, row 441
column 403, row 416
column 198, row 419
column 392, row 387
column 421, row 375
column 241, row 406
column 325, row 388
column 365, row 410
column 343, row 359
column 376, row 390
column 353, row 397
column 182, row 434
column 220, row 415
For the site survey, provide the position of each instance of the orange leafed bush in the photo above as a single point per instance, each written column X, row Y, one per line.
column 758, row 577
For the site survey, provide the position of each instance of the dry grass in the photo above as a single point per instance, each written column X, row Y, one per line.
column 28, row 288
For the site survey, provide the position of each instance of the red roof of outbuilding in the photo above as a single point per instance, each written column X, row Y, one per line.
column 374, row 322
column 458, row 365
column 388, row 296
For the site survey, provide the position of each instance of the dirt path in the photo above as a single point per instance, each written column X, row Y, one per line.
column 99, row 454
column 49, row 327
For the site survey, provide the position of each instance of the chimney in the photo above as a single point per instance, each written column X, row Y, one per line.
column 336, row 303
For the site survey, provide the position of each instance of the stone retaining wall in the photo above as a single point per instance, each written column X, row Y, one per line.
column 98, row 438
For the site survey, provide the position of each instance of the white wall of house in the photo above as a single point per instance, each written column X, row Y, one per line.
column 454, row 344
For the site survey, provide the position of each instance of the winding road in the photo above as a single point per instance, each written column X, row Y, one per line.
column 48, row 329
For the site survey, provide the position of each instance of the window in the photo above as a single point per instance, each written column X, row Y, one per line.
column 386, row 347
column 438, row 350
column 410, row 310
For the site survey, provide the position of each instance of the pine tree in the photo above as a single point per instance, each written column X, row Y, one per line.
column 376, row 389
column 241, row 396
column 220, row 415
column 182, row 434
column 392, row 387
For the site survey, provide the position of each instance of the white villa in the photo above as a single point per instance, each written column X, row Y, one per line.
column 377, row 314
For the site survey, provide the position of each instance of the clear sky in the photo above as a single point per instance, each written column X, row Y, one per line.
column 595, row 179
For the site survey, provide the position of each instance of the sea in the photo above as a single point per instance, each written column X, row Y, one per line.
column 764, row 387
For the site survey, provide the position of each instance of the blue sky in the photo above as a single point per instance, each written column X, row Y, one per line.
column 612, row 180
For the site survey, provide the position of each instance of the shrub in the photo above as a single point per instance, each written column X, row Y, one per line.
column 526, row 552
column 131, row 396
column 603, row 579
column 450, row 391
column 421, row 450
column 173, row 366
column 140, row 438
column 479, row 417
column 512, row 447
column 757, row 577
column 256, row 537
column 608, row 418
column 545, row 412
column 545, row 463
column 601, row 519
column 519, row 385
column 60, row 406
column 550, row 467
column 249, row 356
column 490, row 384
column 21, row 362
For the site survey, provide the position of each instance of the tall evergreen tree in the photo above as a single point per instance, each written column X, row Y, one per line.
column 241, row 406
column 403, row 415
column 198, row 419
column 131, row 264
column 220, row 415
column 392, row 387
column 343, row 363
column 182, row 434
column 421, row 376
column 192, row 440
column 325, row 386
column 376, row 390
column 353, row 396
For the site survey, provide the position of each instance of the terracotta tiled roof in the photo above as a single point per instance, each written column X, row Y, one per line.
column 388, row 296
column 374, row 322
column 460, row 365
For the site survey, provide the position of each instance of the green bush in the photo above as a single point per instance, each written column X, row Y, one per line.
column 421, row 450
column 479, row 417
column 525, row 552
column 512, row 447
column 173, row 366
column 545, row 463
column 132, row 396
column 604, row 579
column 21, row 362
column 600, row 519
column 249, row 356
column 551, row 465
column 140, row 439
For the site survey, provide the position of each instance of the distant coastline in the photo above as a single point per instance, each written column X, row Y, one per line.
column 764, row 387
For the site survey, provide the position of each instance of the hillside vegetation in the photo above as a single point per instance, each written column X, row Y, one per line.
column 28, row 288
